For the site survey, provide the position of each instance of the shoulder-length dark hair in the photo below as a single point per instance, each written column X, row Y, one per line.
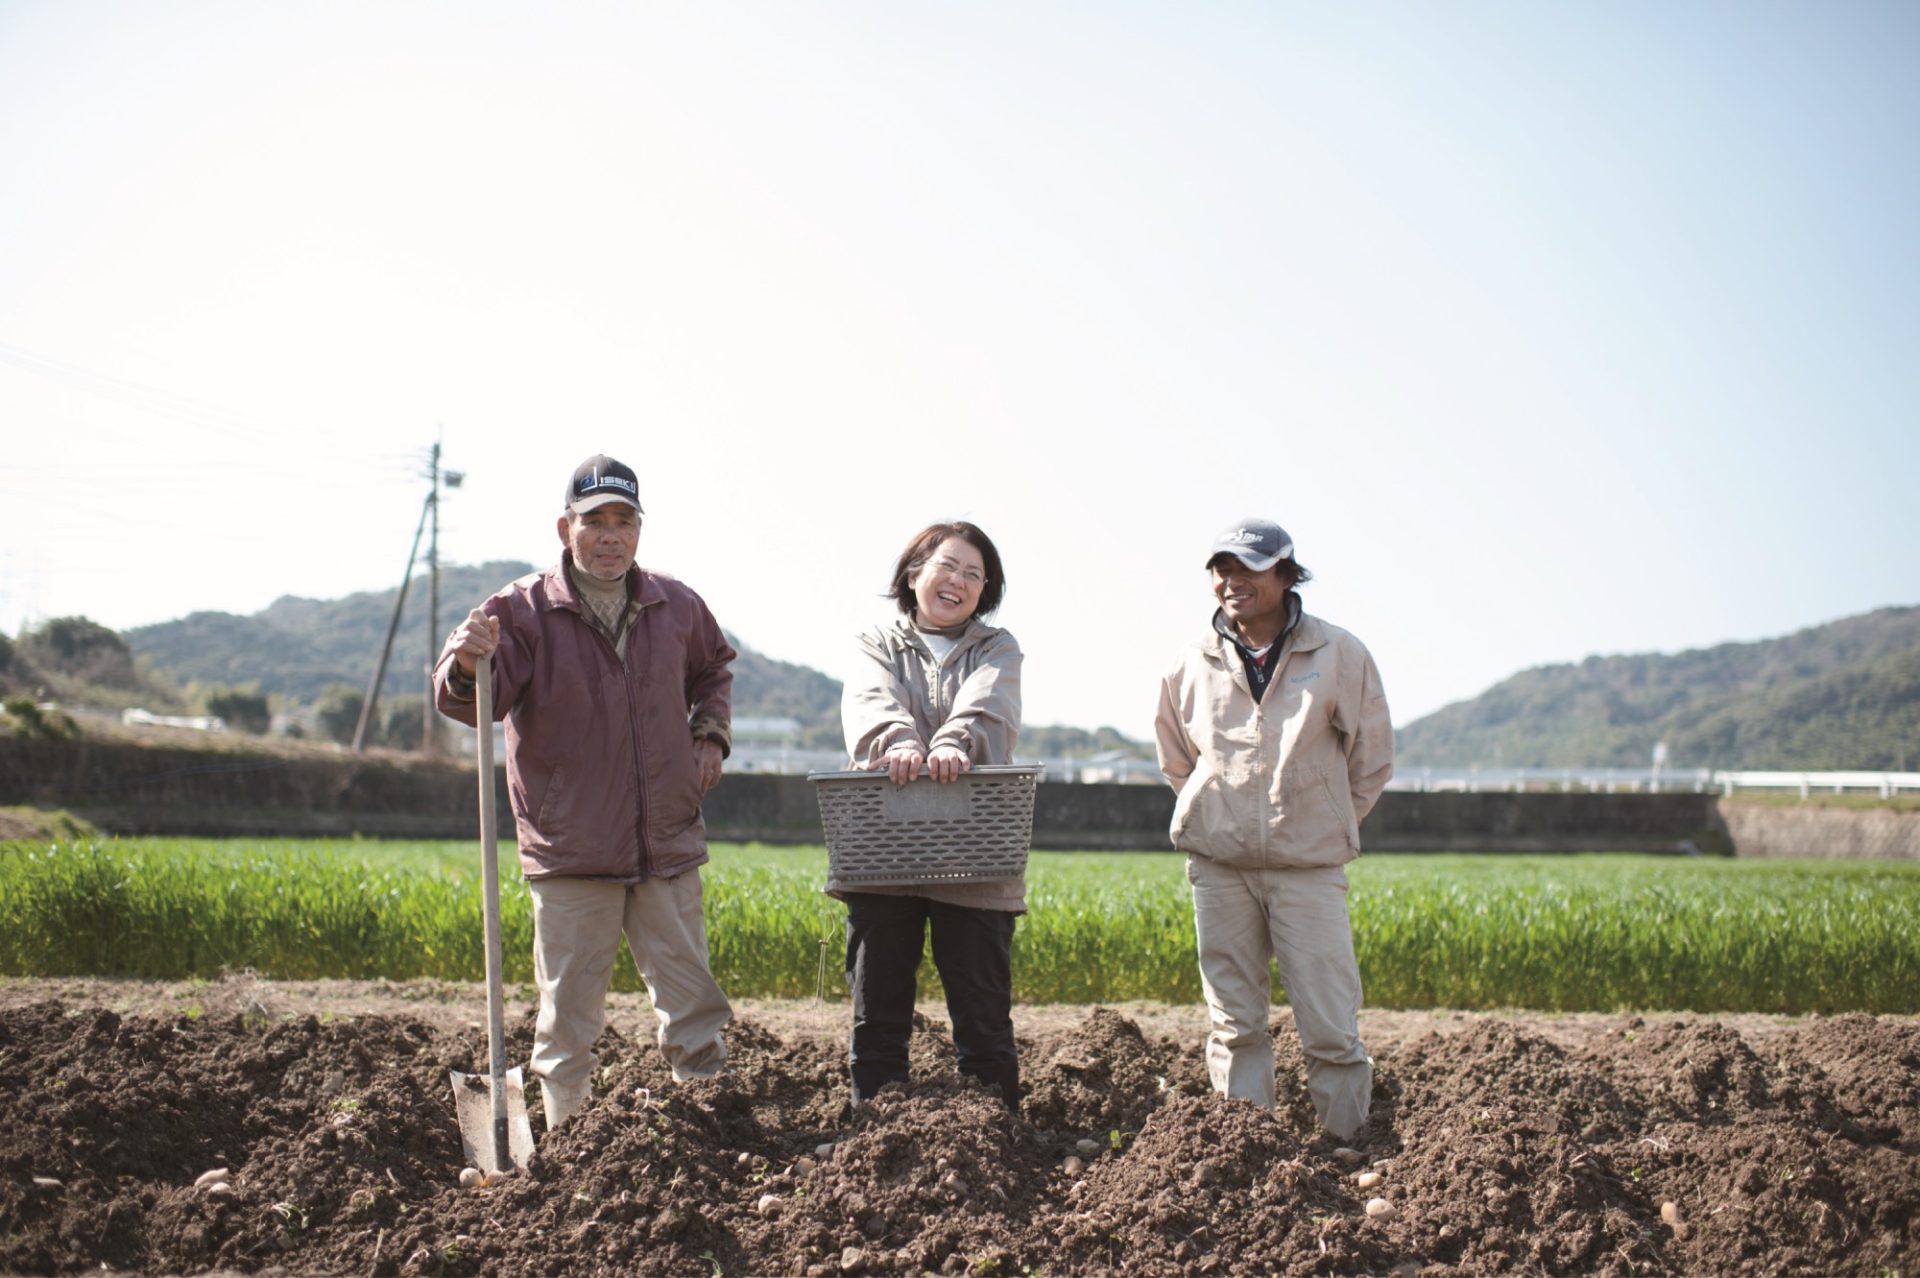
column 921, row 549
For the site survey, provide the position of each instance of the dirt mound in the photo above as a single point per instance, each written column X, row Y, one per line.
column 1105, row 1077
column 1209, row 1186
column 1871, row 1069
column 1492, row 1149
column 938, row 1178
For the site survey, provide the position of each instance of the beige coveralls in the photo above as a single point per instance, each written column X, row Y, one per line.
column 1270, row 796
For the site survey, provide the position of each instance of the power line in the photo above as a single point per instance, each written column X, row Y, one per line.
column 136, row 394
column 212, row 418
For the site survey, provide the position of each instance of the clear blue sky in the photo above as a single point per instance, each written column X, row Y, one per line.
column 1548, row 330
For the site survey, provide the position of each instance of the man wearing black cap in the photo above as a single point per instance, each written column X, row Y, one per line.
column 1273, row 731
column 614, row 684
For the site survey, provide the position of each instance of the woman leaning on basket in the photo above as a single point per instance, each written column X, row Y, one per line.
column 940, row 688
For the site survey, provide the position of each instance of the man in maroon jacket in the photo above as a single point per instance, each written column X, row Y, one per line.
column 614, row 684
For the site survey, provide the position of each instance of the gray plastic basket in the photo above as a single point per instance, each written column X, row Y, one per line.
column 880, row 834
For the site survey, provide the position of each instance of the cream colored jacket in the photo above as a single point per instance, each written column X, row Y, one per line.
column 1281, row 783
column 898, row 693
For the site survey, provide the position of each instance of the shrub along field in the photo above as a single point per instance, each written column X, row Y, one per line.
column 1568, row 933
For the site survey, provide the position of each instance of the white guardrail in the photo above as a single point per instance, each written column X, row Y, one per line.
column 1653, row 780
column 769, row 757
column 757, row 758
column 750, row 756
column 1886, row 784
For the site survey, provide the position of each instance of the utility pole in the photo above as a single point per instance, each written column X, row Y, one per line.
column 442, row 479
column 437, row 478
column 429, row 745
column 372, row 698
column 429, row 513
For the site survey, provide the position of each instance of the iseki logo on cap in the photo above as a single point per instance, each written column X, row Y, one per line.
column 596, row 482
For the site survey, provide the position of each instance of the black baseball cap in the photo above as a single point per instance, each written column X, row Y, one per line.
column 1257, row 543
column 600, row 480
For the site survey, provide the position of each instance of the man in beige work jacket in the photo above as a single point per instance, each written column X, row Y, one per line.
column 1273, row 731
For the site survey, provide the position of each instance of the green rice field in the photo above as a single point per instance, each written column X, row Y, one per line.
column 1562, row 933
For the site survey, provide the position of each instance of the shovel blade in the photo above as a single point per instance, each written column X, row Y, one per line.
column 473, row 1103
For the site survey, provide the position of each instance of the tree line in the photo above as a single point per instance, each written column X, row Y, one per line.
column 1838, row 696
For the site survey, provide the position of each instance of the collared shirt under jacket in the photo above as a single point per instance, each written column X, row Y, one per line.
column 899, row 693
column 1282, row 782
column 600, row 763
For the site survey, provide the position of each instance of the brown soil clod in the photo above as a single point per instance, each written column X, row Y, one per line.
column 1684, row 1146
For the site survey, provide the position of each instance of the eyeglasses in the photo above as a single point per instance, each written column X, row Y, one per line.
column 968, row 576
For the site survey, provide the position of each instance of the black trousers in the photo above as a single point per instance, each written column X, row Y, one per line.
column 973, row 952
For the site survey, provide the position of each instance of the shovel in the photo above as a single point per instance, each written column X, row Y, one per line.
column 492, row 1107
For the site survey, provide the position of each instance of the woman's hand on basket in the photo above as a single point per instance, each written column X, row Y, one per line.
column 946, row 763
column 902, row 763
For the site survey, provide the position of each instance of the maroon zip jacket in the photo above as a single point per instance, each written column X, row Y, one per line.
column 600, row 764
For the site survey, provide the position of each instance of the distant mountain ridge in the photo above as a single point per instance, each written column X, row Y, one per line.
column 298, row 648
column 1836, row 696
column 1841, row 695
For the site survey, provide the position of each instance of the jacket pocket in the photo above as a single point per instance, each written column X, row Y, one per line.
column 675, row 810
column 1191, row 796
column 1220, row 821
column 1309, row 825
column 550, row 815
column 1339, row 804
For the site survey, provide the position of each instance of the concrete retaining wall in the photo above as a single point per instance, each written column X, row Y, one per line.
column 131, row 789
column 1803, row 829
column 134, row 789
column 1409, row 821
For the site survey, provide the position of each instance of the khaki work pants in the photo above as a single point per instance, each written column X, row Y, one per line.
column 1298, row 918
column 577, row 926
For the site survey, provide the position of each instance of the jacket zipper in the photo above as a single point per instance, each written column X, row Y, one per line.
column 633, row 735
column 1260, row 750
column 935, row 668
column 639, row 782
column 934, row 671
column 1237, row 674
column 639, row 752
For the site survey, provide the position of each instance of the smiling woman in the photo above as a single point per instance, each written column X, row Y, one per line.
column 935, row 692
column 947, row 587
column 949, row 555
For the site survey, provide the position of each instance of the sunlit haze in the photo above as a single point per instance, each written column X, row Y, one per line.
column 1547, row 330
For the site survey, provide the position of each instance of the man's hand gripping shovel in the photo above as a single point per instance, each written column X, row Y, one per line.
column 492, row 1107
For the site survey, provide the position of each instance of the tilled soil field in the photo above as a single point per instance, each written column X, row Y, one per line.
column 1498, row 1145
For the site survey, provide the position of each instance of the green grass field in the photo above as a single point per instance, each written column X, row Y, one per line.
column 1571, row 933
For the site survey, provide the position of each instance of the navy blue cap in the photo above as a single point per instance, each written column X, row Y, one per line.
column 600, row 480
column 1257, row 543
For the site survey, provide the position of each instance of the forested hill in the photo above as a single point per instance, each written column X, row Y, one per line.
column 1842, row 695
column 298, row 648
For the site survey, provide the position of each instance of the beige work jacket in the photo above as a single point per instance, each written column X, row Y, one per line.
column 1284, row 782
column 899, row 693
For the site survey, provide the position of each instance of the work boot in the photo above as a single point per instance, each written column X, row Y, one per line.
column 562, row 1103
